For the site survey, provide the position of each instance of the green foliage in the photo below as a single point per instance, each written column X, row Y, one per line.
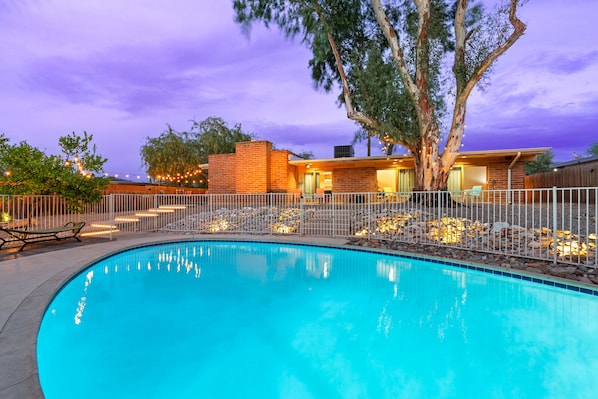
column 593, row 150
column 398, row 64
column 306, row 155
column 215, row 137
column 541, row 164
column 170, row 154
column 174, row 156
column 376, row 86
column 374, row 82
column 71, row 175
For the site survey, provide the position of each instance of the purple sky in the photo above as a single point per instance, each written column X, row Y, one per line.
column 122, row 69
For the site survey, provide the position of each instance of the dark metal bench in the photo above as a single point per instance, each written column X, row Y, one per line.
column 72, row 230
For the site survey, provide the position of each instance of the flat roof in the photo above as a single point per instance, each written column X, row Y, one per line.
column 394, row 159
column 382, row 159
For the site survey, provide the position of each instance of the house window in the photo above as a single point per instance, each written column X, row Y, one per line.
column 474, row 176
column 406, row 180
column 454, row 180
column 309, row 185
column 387, row 180
column 327, row 182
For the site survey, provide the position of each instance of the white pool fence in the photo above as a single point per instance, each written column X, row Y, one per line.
column 554, row 224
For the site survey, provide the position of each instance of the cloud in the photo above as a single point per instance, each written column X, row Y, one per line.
column 562, row 64
column 122, row 70
column 213, row 70
column 534, row 127
column 319, row 139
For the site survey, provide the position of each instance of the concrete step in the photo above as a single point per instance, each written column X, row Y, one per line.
column 146, row 214
column 126, row 219
column 173, row 207
column 103, row 232
column 161, row 210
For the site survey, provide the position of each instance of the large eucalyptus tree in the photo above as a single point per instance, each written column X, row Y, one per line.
column 403, row 65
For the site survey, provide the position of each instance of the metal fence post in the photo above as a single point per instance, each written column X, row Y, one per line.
column 333, row 214
column 438, row 213
column 554, row 222
column 272, row 213
column 210, row 212
column 111, row 213
column 301, row 215
column 369, row 219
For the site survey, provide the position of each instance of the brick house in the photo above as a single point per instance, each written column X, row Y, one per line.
column 257, row 168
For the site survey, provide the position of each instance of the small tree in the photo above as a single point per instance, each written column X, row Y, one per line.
column 306, row 155
column 593, row 150
column 541, row 164
column 170, row 154
column 75, row 175
column 215, row 137
column 174, row 156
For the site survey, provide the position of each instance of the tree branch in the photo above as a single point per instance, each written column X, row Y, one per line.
column 351, row 112
column 464, row 84
column 518, row 31
column 397, row 52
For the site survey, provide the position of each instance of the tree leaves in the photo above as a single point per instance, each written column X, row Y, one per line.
column 71, row 175
column 174, row 154
column 392, row 61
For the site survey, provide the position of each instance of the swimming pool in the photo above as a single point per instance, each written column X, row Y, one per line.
column 258, row 320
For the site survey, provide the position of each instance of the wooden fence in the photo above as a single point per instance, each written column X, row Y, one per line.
column 584, row 174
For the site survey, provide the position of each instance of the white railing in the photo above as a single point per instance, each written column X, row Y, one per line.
column 558, row 225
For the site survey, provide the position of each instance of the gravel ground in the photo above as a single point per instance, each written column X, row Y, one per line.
column 569, row 216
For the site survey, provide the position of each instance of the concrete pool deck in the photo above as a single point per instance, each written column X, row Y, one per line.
column 29, row 280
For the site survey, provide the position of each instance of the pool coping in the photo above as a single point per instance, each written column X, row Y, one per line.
column 18, row 364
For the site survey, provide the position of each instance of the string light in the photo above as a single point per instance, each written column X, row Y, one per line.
column 191, row 177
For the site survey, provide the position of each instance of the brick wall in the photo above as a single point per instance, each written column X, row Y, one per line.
column 253, row 167
column 292, row 182
column 498, row 176
column 222, row 178
column 279, row 168
column 358, row 180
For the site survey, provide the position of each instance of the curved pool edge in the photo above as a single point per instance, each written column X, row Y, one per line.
column 18, row 362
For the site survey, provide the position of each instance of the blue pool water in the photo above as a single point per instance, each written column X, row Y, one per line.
column 258, row 320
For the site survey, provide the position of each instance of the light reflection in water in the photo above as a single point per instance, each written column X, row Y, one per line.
column 183, row 262
column 82, row 301
column 391, row 269
column 350, row 319
column 318, row 265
